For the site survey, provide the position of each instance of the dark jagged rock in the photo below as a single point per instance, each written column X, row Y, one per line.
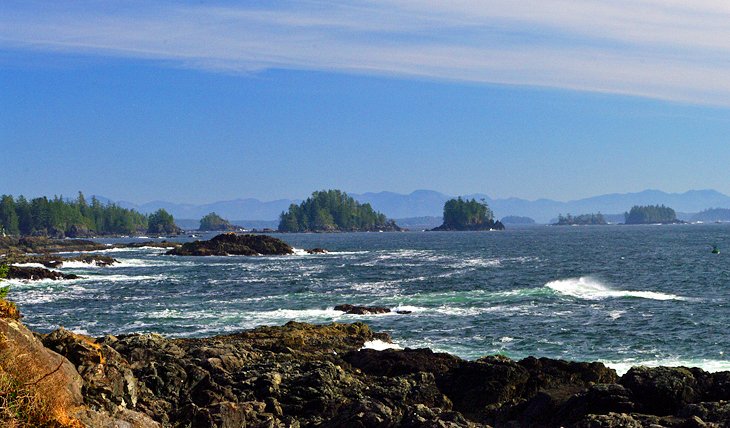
column 319, row 375
column 36, row 273
column 396, row 363
column 665, row 390
column 56, row 261
column 362, row 310
column 232, row 244
column 153, row 244
column 600, row 399
column 317, row 251
column 42, row 244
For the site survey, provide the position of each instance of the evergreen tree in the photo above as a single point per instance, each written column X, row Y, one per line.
column 650, row 214
column 333, row 210
column 161, row 222
column 460, row 214
column 213, row 221
column 8, row 217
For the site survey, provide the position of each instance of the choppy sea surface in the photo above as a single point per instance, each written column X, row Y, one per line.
column 623, row 295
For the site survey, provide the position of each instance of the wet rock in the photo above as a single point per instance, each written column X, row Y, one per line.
column 232, row 244
column 362, row 310
column 37, row 273
column 317, row 251
column 42, row 244
column 56, row 261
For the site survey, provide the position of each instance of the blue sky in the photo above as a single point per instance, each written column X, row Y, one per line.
column 204, row 101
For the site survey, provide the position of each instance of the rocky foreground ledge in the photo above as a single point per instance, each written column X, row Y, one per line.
column 300, row 375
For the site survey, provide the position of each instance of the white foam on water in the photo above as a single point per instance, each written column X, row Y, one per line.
column 300, row 252
column 123, row 278
column 299, row 314
column 380, row 345
column 707, row 365
column 614, row 315
column 75, row 264
column 478, row 263
column 32, row 283
column 591, row 289
column 410, row 308
column 33, row 265
column 506, row 339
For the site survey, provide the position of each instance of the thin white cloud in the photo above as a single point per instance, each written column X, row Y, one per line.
column 666, row 49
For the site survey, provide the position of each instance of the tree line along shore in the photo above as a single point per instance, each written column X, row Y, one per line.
column 324, row 211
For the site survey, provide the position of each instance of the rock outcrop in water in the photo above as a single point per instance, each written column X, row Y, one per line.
column 362, row 310
column 232, row 244
column 319, row 375
column 42, row 244
column 37, row 273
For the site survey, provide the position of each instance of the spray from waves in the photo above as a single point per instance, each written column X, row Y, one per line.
column 380, row 345
column 591, row 289
column 707, row 365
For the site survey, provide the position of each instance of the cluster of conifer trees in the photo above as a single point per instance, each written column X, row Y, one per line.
column 583, row 219
column 333, row 210
column 650, row 214
column 63, row 217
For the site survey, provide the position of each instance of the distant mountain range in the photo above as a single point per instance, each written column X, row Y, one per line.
column 429, row 203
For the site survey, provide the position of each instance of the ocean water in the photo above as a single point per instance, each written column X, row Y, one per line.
column 623, row 295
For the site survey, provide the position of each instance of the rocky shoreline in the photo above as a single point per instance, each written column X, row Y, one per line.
column 300, row 375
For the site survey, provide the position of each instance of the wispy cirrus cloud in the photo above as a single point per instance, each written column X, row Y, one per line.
column 669, row 49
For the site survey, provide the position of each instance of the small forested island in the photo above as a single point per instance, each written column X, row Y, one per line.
column 333, row 211
column 162, row 222
column 460, row 214
column 712, row 214
column 60, row 217
column 582, row 220
column 515, row 219
column 651, row 214
column 213, row 221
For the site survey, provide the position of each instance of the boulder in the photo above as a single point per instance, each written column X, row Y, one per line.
column 24, row 358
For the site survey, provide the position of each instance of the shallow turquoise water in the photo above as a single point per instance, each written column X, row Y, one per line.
column 619, row 294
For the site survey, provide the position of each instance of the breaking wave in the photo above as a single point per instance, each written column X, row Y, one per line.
column 591, row 289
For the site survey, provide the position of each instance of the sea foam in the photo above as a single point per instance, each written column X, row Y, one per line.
column 379, row 345
column 707, row 365
column 591, row 289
